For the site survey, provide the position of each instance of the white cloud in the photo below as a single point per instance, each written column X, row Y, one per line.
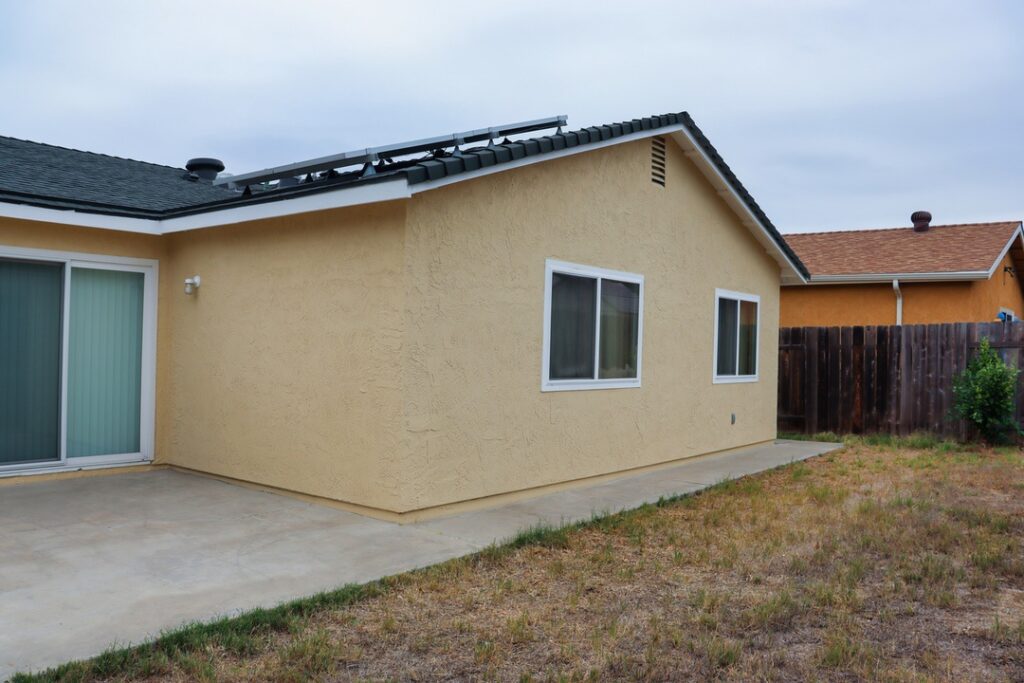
column 833, row 113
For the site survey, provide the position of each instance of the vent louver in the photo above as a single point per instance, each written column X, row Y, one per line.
column 658, row 160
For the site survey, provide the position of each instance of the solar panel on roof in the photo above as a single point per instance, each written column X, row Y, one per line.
column 372, row 155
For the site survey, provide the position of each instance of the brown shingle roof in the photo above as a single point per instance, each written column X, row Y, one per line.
column 942, row 249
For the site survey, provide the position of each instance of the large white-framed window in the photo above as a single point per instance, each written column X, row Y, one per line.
column 593, row 327
column 737, row 334
column 77, row 360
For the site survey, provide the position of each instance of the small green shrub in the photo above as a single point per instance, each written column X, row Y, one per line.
column 983, row 394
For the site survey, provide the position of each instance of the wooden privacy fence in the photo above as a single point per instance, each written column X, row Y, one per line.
column 896, row 379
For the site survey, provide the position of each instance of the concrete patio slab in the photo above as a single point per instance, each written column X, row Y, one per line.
column 87, row 563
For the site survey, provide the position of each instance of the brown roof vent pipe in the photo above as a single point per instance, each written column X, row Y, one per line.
column 920, row 219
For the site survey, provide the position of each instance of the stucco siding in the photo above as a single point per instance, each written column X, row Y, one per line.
column 34, row 235
column 476, row 421
column 285, row 364
column 389, row 356
column 811, row 305
column 1005, row 289
column 923, row 302
column 283, row 369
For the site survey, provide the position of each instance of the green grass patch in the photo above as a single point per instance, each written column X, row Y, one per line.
column 840, row 650
column 916, row 441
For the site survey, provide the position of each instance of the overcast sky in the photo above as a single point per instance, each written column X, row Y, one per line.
column 833, row 114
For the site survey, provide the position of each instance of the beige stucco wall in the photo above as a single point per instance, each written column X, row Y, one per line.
column 285, row 367
column 389, row 356
column 476, row 422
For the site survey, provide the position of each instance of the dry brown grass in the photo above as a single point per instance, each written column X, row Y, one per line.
column 869, row 563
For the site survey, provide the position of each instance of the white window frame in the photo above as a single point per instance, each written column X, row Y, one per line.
column 553, row 266
column 736, row 379
column 147, row 413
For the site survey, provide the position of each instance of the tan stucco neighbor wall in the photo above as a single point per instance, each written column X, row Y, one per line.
column 923, row 302
column 389, row 356
column 476, row 421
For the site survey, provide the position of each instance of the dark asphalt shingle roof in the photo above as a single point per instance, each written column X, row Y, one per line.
column 61, row 178
column 69, row 178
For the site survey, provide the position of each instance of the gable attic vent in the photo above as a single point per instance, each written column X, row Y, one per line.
column 658, row 160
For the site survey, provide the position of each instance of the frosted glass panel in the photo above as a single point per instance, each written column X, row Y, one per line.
column 30, row 320
column 104, row 362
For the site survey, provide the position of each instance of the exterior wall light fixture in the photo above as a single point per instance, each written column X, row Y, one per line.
column 191, row 284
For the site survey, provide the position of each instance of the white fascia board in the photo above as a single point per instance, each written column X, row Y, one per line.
column 1017, row 234
column 362, row 194
column 725, row 190
column 352, row 196
column 77, row 218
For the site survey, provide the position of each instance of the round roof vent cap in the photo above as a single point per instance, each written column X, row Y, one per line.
column 206, row 168
column 921, row 220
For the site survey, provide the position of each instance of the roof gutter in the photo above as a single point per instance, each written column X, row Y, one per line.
column 885, row 278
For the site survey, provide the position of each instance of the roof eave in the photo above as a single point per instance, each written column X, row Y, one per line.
column 791, row 272
column 934, row 276
column 1018, row 234
column 217, row 217
column 876, row 278
column 680, row 126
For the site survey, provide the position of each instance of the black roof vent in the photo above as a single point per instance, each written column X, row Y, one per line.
column 921, row 220
column 205, row 167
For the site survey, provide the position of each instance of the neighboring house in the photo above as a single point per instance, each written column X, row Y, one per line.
column 401, row 331
column 924, row 274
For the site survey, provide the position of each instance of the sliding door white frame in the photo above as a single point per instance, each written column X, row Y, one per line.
column 150, row 271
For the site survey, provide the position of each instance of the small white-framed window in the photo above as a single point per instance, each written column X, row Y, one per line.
column 593, row 327
column 737, row 333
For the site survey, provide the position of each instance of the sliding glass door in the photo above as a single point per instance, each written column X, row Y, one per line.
column 76, row 360
column 30, row 360
column 104, row 362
